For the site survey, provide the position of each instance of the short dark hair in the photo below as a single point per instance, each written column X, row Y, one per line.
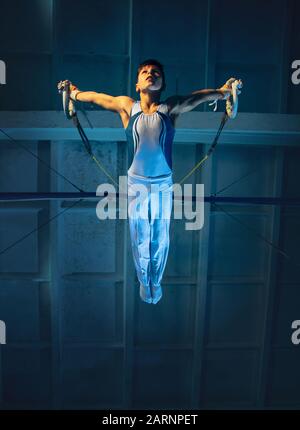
column 153, row 62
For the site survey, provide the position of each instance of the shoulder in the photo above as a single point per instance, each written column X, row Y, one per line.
column 125, row 103
column 172, row 104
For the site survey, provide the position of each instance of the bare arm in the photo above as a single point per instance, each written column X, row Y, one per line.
column 181, row 104
column 115, row 104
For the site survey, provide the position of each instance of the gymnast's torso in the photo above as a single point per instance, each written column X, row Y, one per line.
column 151, row 137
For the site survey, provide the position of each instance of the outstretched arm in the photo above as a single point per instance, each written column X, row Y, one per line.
column 181, row 104
column 114, row 104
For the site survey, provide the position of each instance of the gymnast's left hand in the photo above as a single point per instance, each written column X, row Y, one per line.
column 227, row 88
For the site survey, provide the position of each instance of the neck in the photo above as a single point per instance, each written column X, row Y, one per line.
column 149, row 100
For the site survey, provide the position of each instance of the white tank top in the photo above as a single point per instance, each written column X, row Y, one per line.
column 152, row 137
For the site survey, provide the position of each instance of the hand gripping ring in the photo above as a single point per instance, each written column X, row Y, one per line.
column 68, row 104
column 231, row 105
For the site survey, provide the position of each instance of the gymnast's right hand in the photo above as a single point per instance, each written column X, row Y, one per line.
column 62, row 84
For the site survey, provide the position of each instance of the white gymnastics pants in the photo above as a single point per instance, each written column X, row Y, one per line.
column 149, row 211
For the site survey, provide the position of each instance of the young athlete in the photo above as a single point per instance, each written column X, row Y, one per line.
column 150, row 127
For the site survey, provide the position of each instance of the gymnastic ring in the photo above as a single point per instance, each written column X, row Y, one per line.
column 68, row 104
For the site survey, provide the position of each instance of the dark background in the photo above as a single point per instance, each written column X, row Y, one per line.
column 78, row 336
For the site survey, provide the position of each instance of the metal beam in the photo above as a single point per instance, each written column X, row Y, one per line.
column 34, row 196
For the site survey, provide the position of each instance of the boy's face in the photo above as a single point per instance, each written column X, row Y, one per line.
column 149, row 79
